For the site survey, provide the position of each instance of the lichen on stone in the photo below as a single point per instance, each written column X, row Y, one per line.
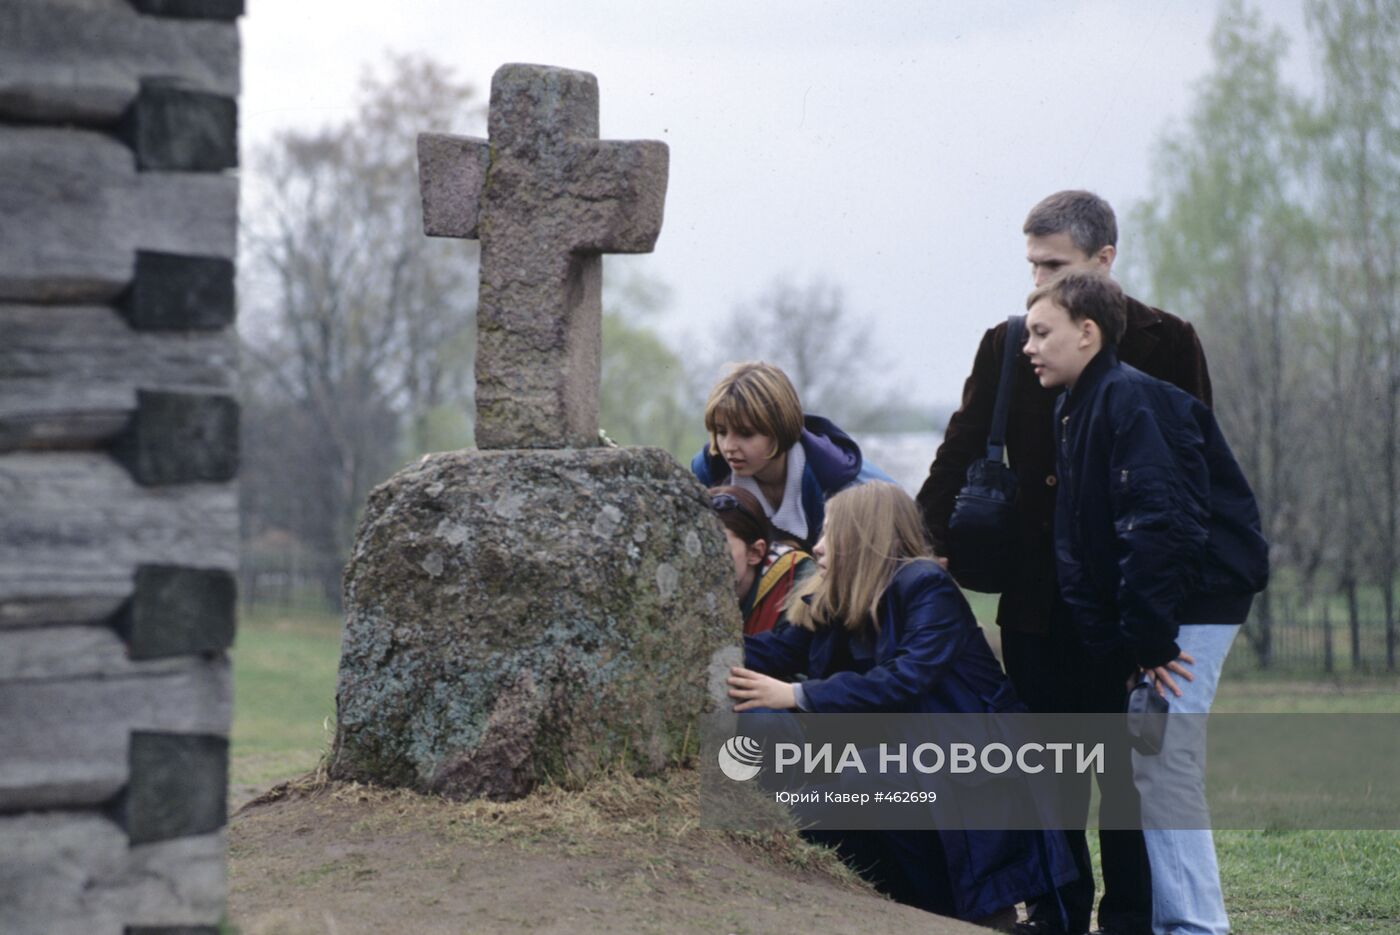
column 516, row 615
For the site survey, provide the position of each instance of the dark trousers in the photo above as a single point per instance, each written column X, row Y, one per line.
column 1054, row 675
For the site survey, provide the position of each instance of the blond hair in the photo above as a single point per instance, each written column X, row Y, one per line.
column 871, row 532
column 757, row 397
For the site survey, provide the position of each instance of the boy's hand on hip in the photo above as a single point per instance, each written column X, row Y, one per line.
column 1161, row 676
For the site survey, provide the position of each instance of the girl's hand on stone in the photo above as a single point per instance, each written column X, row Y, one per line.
column 756, row 690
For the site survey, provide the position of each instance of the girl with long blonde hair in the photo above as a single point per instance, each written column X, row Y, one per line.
column 883, row 628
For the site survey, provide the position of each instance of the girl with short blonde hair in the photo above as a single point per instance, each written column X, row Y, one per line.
column 761, row 440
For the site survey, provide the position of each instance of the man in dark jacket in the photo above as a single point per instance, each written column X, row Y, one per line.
column 1049, row 668
column 1158, row 551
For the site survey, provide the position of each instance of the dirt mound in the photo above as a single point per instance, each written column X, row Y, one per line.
column 622, row 855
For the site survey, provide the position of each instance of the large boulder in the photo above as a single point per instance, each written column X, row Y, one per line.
column 516, row 615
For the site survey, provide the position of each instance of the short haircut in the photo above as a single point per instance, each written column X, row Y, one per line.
column 1087, row 294
column 1085, row 216
column 756, row 397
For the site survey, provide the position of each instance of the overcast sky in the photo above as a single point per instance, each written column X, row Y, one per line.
column 892, row 147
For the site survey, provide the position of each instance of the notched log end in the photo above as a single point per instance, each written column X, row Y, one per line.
column 178, row 611
column 191, row 9
column 180, row 438
column 172, row 129
column 170, row 292
column 178, row 786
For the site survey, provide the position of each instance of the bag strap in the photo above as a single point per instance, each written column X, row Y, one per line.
column 1015, row 337
column 776, row 571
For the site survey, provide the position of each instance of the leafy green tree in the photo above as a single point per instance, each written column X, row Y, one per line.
column 646, row 396
column 1358, row 133
column 1275, row 224
column 1230, row 247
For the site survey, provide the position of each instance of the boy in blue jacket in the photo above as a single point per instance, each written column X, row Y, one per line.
column 1158, row 549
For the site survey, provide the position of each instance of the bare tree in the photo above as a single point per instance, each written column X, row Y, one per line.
column 356, row 327
column 827, row 352
column 1360, row 124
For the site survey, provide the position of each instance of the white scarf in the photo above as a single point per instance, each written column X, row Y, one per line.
column 788, row 515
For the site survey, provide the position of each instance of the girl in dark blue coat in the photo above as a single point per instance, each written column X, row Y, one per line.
column 883, row 628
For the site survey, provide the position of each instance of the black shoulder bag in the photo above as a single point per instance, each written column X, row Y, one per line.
column 983, row 526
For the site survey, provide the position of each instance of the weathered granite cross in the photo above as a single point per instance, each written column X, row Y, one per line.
column 546, row 198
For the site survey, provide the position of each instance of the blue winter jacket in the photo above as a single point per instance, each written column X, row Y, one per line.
column 834, row 463
column 1155, row 524
column 928, row 655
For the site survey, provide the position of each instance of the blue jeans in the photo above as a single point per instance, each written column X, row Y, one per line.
column 1186, row 896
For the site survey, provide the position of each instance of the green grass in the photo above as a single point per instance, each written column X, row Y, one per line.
column 984, row 607
column 1276, row 883
column 1311, row 882
column 1307, row 882
column 284, row 669
column 1352, row 695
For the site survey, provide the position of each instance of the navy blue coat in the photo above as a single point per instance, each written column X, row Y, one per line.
column 927, row 656
column 834, row 462
column 1155, row 524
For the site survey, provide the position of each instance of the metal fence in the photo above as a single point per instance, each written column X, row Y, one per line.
column 289, row 577
column 1315, row 636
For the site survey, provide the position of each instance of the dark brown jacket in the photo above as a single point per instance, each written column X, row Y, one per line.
column 1157, row 343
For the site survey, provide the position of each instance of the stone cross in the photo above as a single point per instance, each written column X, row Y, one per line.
column 546, row 198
